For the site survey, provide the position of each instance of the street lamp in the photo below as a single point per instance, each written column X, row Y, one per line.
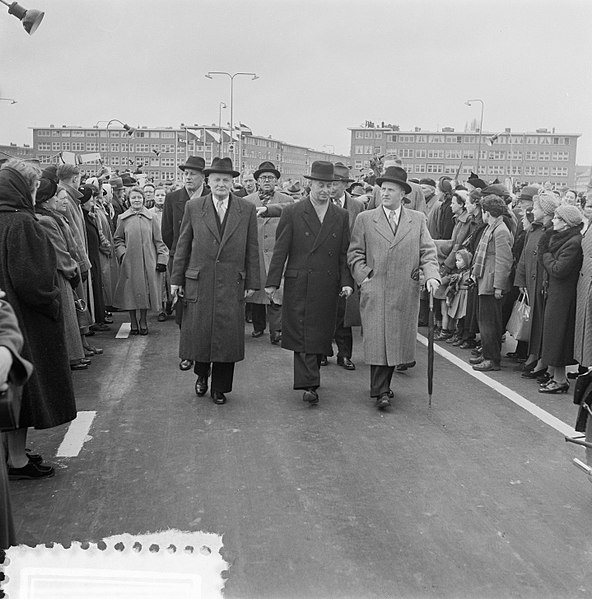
column 31, row 18
column 231, row 77
column 8, row 100
column 468, row 103
column 220, row 107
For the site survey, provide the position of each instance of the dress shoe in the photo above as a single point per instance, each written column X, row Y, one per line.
column 555, row 387
column 34, row 457
column 533, row 374
column 257, row 334
column 311, row 396
column 486, row 366
column 346, row 363
column 31, row 471
column 476, row 360
column 476, row 352
column 85, row 361
column 276, row 338
column 134, row 331
column 161, row 317
column 383, row 401
column 143, row 330
column 460, row 341
column 185, row 364
column 528, row 366
column 218, row 398
column 78, row 366
column 201, row 385
column 324, row 361
column 544, row 379
column 467, row 345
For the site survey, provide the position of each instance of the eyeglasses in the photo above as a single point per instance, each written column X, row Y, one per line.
column 267, row 178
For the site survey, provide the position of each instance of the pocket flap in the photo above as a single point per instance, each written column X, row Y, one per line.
column 291, row 273
column 192, row 273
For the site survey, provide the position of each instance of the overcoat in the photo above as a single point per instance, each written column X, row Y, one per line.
column 28, row 276
column 498, row 260
column 162, row 278
column 389, row 299
column 315, row 256
column 529, row 274
column 140, row 247
column 215, row 270
column 266, row 231
column 560, row 253
column 352, row 316
column 583, row 330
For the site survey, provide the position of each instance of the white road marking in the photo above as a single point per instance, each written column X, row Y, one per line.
column 76, row 435
column 124, row 330
column 518, row 399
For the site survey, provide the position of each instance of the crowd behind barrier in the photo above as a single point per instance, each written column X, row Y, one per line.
column 79, row 248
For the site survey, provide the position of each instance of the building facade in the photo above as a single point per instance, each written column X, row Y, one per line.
column 508, row 156
column 11, row 150
column 158, row 151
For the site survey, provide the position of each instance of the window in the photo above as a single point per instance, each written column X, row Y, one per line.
column 420, row 168
column 421, row 139
column 405, row 153
column 469, row 139
column 407, row 139
column 115, row 161
column 559, row 171
column 167, row 134
column 377, row 149
column 155, row 134
column 65, row 146
column 514, row 170
column 531, row 155
column 125, row 147
column 544, row 155
column 451, row 139
column 515, row 155
column 435, row 153
column 468, row 155
column 91, row 147
column 44, row 133
column 450, row 169
column 359, row 134
column 531, row 140
column 367, row 149
column 167, row 162
column 495, row 169
column 44, row 158
column 55, row 133
column 378, row 135
column 543, row 171
column 65, row 133
column 391, row 137
column 141, row 133
column 77, row 133
column 436, row 139
column 545, row 140
column 566, row 141
column 497, row 155
column 358, row 164
column 454, row 154
column 434, row 168
column 114, row 147
column 104, row 147
column 44, row 146
column 483, row 155
column 368, row 134
column 142, row 148
column 93, row 133
column 420, row 153
column 77, row 146
column 560, row 156
column 114, row 134
column 55, row 146
column 530, row 170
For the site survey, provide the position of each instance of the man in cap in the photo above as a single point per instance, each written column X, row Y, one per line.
column 216, row 266
column 343, row 335
column 269, row 202
column 172, row 215
column 312, row 240
column 474, row 182
column 390, row 253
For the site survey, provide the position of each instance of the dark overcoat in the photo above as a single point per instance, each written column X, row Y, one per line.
column 215, row 270
column 28, row 275
column 315, row 257
column 583, row 331
column 561, row 255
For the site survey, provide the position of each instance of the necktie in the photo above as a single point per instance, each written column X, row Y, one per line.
column 392, row 221
column 220, row 210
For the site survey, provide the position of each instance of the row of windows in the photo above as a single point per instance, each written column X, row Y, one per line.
column 103, row 133
column 466, row 139
column 78, row 146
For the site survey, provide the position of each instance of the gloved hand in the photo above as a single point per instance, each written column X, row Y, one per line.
column 74, row 281
column 161, row 268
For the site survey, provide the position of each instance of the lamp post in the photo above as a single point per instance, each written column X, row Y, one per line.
column 220, row 107
column 468, row 103
column 231, row 77
column 31, row 19
column 127, row 128
column 8, row 100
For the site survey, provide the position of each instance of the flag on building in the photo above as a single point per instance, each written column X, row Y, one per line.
column 196, row 133
column 213, row 135
column 244, row 129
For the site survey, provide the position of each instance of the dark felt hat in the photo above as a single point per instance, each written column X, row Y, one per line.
column 395, row 174
column 475, row 181
column 47, row 189
column 266, row 167
column 321, row 170
column 221, row 165
column 496, row 189
column 427, row 181
column 87, row 193
column 128, row 180
column 528, row 192
column 197, row 163
column 342, row 173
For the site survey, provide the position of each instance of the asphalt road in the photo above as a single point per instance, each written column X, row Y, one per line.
column 474, row 497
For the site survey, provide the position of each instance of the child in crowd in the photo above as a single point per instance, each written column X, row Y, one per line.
column 457, row 292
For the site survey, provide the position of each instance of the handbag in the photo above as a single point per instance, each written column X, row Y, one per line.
column 10, row 407
column 519, row 323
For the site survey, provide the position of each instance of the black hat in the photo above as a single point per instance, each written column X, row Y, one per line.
column 197, row 163
column 221, row 165
column 427, row 181
column 475, row 181
column 395, row 174
column 321, row 170
column 266, row 167
column 128, row 180
column 47, row 189
column 496, row 189
column 87, row 193
column 342, row 173
column 50, row 172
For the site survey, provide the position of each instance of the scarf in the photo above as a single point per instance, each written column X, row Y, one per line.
column 479, row 261
column 265, row 196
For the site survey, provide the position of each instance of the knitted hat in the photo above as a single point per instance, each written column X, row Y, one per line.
column 569, row 214
column 548, row 203
column 466, row 256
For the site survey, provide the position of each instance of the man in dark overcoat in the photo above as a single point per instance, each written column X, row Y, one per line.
column 174, row 206
column 311, row 242
column 216, row 265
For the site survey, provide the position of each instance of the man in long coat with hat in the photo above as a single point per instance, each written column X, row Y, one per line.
column 312, row 241
column 216, row 265
column 269, row 203
column 390, row 250
column 174, row 206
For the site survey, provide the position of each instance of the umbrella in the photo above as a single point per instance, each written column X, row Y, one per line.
column 431, row 349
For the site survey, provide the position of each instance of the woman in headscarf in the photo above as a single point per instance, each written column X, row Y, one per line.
column 68, row 273
column 28, row 276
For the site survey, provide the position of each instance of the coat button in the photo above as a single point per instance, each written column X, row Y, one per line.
column 307, row 233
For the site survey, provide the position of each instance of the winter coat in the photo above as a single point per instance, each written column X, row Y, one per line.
column 108, row 260
column 560, row 253
column 315, row 257
column 389, row 299
column 29, row 278
column 215, row 269
column 498, row 261
column 529, row 274
column 95, row 275
column 140, row 248
column 583, row 328
column 266, row 231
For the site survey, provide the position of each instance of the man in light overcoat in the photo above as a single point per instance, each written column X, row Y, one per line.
column 390, row 253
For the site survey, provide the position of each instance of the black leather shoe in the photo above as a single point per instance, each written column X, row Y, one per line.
column 257, row 334
column 185, row 364
column 218, row 398
column 78, row 366
column 476, row 360
column 383, row 401
column 276, row 338
column 346, row 363
column 311, row 396
column 201, row 385
column 324, row 361
column 533, row 374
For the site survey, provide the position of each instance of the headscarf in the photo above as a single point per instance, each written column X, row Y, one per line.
column 15, row 195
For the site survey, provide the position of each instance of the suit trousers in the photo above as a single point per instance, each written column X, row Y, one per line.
column 262, row 313
column 222, row 374
column 491, row 327
column 343, row 335
column 380, row 379
column 307, row 370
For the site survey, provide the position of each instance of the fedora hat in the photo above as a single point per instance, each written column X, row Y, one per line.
column 266, row 167
column 116, row 183
column 221, row 165
column 321, row 171
column 475, row 181
column 197, row 163
column 128, row 180
column 342, row 173
column 395, row 174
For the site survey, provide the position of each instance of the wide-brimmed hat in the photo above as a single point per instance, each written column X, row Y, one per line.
column 197, row 163
column 221, row 165
column 116, row 183
column 294, row 188
column 395, row 174
column 321, row 170
column 528, row 192
column 266, row 167
column 496, row 189
column 342, row 173
column 128, row 180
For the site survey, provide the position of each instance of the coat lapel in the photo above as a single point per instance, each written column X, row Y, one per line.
column 382, row 226
column 327, row 225
column 233, row 219
column 209, row 218
column 403, row 227
column 310, row 218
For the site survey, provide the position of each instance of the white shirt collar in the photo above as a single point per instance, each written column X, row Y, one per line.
column 341, row 201
column 397, row 213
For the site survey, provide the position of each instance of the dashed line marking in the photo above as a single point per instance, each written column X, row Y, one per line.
column 124, row 330
column 76, row 435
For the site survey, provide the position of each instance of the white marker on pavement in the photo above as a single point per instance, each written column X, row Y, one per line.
column 124, row 330
column 76, row 435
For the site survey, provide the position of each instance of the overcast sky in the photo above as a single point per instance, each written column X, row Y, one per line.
column 324, row 65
